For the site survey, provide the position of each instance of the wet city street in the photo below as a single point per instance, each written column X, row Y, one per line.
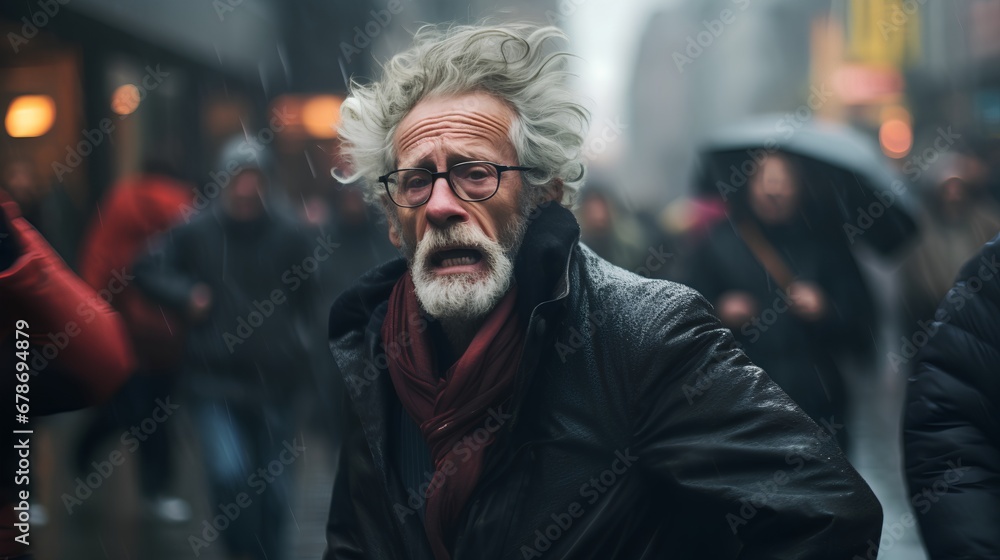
column 115, row 523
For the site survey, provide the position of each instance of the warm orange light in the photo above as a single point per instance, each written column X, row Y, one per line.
column 896, row 138
column 125, row 99
column 320, row 115
column 30, row 115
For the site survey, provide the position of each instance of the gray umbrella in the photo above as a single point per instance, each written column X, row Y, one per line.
column 849, row 182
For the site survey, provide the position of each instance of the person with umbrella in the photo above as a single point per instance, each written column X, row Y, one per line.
column 781, row 275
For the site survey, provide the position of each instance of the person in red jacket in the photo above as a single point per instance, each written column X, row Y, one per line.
column 78, row 354
column 136, row 209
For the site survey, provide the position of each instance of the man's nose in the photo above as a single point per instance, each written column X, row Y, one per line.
column 443, row 207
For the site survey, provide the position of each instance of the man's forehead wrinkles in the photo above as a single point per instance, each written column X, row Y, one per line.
column 422, row 148
column 418, row 140
column 429, row 131
column 456, row 123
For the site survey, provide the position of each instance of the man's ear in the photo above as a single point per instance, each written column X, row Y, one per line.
column 553, row 192
column 394, row 236
column 392, row 220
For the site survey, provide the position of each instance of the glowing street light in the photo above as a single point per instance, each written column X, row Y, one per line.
column 30, row 116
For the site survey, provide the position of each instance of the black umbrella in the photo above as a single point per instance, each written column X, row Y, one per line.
column 848, row 181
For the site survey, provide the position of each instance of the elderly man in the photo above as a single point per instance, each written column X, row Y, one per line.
column 511, row 394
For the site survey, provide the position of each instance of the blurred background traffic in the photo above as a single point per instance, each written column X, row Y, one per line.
column 844, row 154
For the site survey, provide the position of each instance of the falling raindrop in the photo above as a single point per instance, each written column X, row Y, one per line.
column 225, row 247
column 283, row 59
column 263, row 78
column 343, row 70
column 312, row 168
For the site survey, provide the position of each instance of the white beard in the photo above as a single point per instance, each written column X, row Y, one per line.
column 465, row 297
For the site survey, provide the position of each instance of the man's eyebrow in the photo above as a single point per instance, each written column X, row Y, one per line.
column 455, row 159
column 452, row 159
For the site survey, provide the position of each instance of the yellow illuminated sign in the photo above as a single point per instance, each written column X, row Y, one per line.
column 885, row 32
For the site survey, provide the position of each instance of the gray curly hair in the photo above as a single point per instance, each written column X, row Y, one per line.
column 507, row 61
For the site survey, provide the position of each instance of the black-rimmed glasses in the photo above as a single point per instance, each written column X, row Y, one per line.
column 471, row 181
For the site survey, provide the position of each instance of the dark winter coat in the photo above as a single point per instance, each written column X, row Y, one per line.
column 952, row 418
column 636, row 430
column 262, row 276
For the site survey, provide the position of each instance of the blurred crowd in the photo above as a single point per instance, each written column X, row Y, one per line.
column 781, row 265
column 224, row 305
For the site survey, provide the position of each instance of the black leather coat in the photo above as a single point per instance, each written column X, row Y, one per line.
column 637, row 431
column 951, row 430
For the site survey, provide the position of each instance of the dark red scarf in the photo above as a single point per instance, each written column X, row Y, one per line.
column 448, row 409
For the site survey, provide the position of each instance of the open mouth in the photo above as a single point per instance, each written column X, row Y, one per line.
column 458, row 256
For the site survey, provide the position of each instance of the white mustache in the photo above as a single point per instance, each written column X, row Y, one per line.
column 466, row 235
column 460, row 296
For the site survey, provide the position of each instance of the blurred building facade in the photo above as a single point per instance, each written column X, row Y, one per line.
column 93, row 89
column 705, row 64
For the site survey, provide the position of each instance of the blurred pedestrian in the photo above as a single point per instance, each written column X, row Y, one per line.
column 132, row 213
column 362, row 237
column 958, row 216
column 682, row 225
column 607, row 230
column 361, row 243
column 951, row 427
column 242, row 273
column 792, row 295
